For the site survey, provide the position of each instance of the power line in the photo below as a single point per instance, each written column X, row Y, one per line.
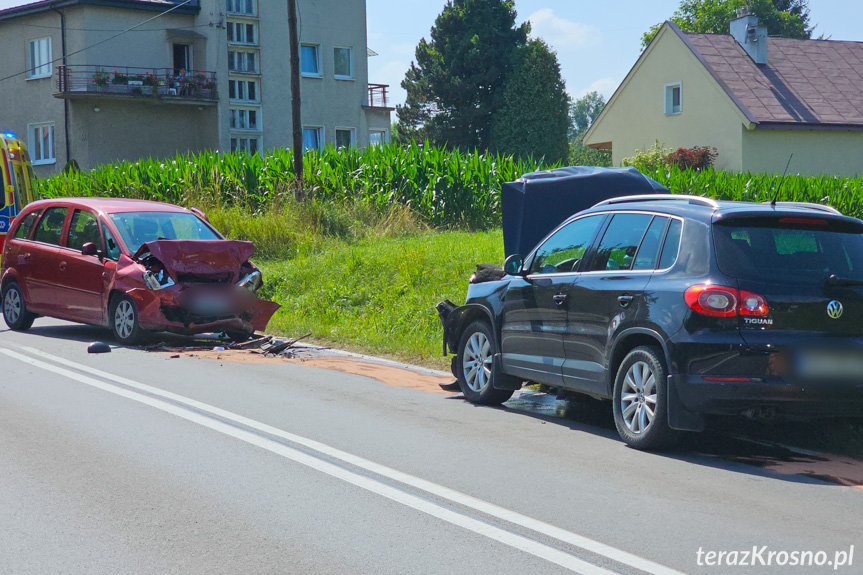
column 98, row 43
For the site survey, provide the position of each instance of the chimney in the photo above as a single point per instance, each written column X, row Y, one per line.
column 750, row 36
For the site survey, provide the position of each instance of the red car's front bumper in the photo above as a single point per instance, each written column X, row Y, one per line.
column 172, row 309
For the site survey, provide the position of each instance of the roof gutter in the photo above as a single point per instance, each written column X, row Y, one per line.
column 810, row 127
column 49, row 5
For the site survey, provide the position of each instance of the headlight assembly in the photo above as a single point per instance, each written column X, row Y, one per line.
column 157, row 281
column 252, row 282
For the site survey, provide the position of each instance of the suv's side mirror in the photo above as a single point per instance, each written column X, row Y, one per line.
column 514, row 265
column 89, row 249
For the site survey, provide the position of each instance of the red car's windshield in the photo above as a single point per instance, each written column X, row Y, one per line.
column 139, row 228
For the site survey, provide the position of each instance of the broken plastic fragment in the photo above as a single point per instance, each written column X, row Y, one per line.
column 98, row 347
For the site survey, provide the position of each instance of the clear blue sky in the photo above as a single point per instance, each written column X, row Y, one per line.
column 597, row 41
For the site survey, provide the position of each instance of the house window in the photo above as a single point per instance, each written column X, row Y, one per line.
column 310, row 60
column 343, row 66
column 313, row 138
column 377, row 138
column 39, row 59
column 248, row 145
column 243, row 90
column 242, row 33
column 41, row 138
column 346, row 137
column 241, row 7
column 673, row 99
column 242, row 61
column 245, row 119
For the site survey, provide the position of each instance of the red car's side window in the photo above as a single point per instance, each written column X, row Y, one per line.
column 26, row 226
column 50, row 227
column 83, row 229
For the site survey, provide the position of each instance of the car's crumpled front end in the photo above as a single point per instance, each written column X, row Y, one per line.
column 200, row 286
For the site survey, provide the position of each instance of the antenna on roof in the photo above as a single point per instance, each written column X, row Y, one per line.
column 782, row 183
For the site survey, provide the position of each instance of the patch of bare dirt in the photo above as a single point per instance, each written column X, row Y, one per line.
column 390, row 375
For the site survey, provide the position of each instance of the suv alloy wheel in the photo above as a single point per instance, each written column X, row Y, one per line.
column 475, row 368
column 641, row 400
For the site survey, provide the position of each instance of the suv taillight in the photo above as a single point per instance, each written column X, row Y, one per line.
column 718, row 301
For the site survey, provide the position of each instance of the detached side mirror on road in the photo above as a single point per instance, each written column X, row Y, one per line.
column 89, row 249
column 513, row 265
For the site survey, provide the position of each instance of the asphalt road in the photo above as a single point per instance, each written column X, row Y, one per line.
column 133, row 462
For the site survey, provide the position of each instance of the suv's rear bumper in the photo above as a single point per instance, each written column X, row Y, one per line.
column 716, row 397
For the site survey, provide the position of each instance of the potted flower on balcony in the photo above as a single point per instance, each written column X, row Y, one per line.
column 101, row 78
column 120, row 79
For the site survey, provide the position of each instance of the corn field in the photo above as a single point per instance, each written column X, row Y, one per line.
column 447, row 188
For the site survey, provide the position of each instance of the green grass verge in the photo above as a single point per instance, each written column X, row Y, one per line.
column 378, row 295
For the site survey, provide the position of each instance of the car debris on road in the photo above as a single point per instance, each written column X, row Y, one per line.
column 267, row 346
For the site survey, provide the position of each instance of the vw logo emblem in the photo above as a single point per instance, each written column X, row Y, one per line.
column 835, row 310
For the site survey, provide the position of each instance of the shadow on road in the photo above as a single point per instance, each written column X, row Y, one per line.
column 89, row 333
column 743, row 451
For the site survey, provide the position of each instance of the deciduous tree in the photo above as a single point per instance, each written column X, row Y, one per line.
column 582, row 114
column 786, row 18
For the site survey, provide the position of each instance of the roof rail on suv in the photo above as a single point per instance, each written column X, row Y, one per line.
column 810, row 206
column 696, row 200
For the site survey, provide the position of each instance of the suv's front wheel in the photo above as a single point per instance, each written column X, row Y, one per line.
column 475, row 368
column 641, row 401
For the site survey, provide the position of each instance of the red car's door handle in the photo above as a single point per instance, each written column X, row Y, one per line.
column 62, row 266
column 26, row 257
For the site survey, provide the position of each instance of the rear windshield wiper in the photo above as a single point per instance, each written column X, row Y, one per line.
column 835, row 280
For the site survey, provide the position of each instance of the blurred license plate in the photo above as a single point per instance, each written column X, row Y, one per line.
column 830, row 366
column 210, row 305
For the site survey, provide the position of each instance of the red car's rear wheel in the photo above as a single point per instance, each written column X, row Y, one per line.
column 15, row 309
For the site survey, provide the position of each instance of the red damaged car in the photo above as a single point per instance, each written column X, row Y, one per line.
column 132, row 266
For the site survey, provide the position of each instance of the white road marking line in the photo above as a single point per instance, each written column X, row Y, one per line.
column 513, row 517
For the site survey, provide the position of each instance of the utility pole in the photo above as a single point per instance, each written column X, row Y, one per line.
column 296, row 110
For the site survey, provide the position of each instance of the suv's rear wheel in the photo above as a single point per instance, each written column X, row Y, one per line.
column 475, row 368
column 15, row 310
column 640, row 400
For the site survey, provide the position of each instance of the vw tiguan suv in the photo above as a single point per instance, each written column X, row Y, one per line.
column 675, row 307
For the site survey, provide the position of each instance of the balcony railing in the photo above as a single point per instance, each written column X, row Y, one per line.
column 165, row 83
column 378, row 96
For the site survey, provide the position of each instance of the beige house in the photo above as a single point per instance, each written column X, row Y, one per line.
column 208, row 75
column 757, row 99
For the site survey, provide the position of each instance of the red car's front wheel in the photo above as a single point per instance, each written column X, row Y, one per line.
column 124, row 320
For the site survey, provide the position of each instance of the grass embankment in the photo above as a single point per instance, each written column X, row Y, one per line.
column 378, row 295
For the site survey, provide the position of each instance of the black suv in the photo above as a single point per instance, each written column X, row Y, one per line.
column 675, row 307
